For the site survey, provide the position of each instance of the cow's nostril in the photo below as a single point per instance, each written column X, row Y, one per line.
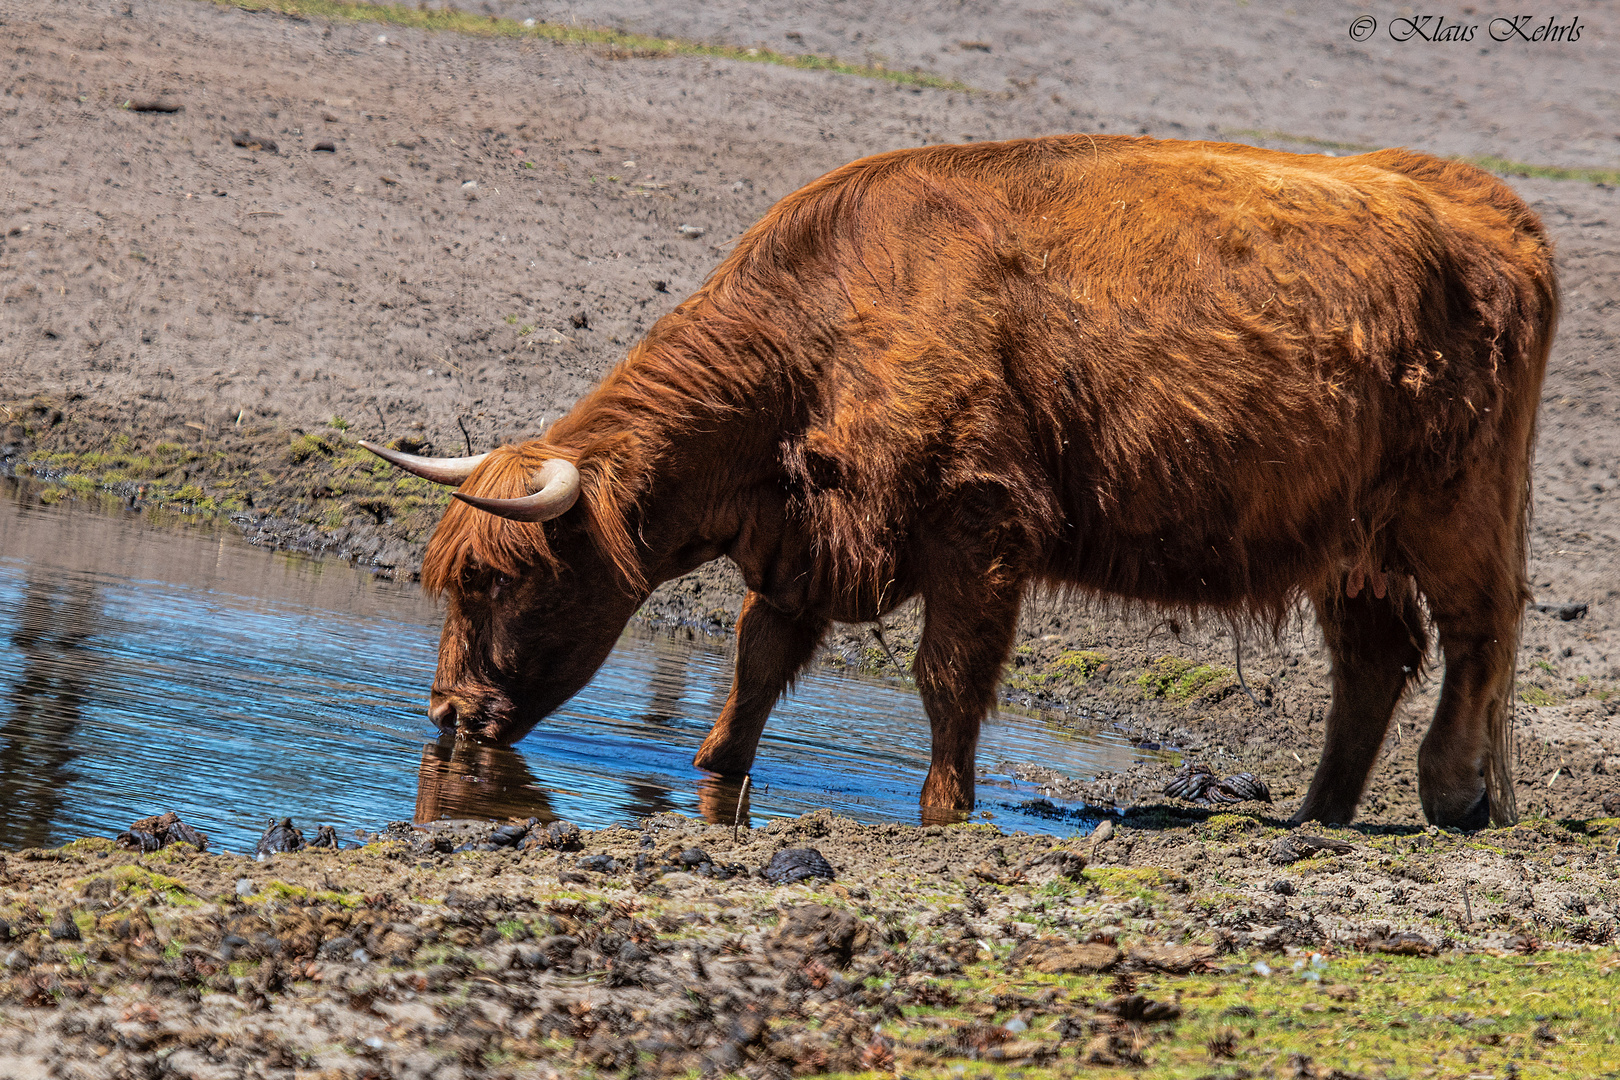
column 442, row 711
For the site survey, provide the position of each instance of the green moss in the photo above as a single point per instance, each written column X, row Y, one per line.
column 1539, row 696
column 299, row 894
column 309, row 445
column 1178, row 679
column 1142, row 882
column 1080, row 665
column 617, row 43
column 134, row 880
column 1226, row 826
column 91, row 844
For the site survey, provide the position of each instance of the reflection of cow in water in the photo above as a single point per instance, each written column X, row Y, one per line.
column 464, row 778
column 461, row 778
column 1202, row 377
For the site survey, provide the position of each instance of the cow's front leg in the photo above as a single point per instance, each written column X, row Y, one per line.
column 772, row 648
column 968, row 630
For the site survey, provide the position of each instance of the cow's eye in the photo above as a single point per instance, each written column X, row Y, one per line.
column 497, row 583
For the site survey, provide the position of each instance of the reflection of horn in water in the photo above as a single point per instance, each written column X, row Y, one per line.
column 460, row 778
column 47, row 703
column 717, row 800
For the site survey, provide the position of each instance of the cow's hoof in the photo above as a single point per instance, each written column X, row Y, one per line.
column 1477, row 816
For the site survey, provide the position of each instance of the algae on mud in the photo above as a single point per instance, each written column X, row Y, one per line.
column 395, row 959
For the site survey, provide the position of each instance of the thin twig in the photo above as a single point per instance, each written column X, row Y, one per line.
column 1468, row 908
column 877, row 632
column 462, row 424
column 742, row 793
column 1237, row 649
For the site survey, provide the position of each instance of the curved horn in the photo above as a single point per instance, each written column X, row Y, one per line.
column 449, row 470
column 558, row 481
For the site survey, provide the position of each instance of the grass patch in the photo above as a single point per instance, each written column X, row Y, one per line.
column 1226, row 826
column 1351, row 1014
column 1178, row 679
column 1141, row 882
column 298, row 894
column 1539, row 696
column 137, row 880
column 615, row 42
column 1490, row 163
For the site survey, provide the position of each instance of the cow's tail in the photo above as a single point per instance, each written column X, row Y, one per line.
column 1501, row 749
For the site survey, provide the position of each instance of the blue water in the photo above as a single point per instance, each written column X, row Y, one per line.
column 146, row 669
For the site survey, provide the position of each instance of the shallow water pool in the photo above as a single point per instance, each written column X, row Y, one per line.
column 145, row 669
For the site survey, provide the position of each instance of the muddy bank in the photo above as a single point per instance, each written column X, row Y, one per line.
column 1182, row 941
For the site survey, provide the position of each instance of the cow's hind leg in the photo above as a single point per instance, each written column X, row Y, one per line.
column 968, row 629
column 1376, row 646
column 772, row 648
column 1464, row 778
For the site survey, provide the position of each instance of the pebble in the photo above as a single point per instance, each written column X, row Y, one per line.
column 63, row 928
column 691, row 232
column 17, row 960
column 1103, row 833
column 792, row 865
column 245, row 887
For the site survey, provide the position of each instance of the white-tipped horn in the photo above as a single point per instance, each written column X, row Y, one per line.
column 451, row 471
column 558, row 481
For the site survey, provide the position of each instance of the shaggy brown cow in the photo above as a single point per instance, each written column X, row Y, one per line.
column 1201, row 377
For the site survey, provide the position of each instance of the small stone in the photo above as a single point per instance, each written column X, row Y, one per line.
column 563, row 835
column 63, row 928
column 17, row 960
column 1103, row 833
column 691, row 232
column 508, row 835
column 245, row 887
column 1299, row 845
column 792, row 865
column 336, row 948
column 280, row 837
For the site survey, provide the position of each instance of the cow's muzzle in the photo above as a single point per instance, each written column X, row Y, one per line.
column 482, row 714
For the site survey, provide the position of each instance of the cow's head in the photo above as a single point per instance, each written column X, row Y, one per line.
column 539, row 577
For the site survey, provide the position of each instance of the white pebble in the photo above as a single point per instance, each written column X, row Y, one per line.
column 528, row 22
column 1016, row 1026
column 382, row 39
column 245, row 887
column 1262, row 969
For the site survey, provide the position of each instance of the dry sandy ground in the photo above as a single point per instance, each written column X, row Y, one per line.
column 498, row 220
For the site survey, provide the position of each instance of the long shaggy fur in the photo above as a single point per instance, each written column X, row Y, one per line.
column 1202, row 377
